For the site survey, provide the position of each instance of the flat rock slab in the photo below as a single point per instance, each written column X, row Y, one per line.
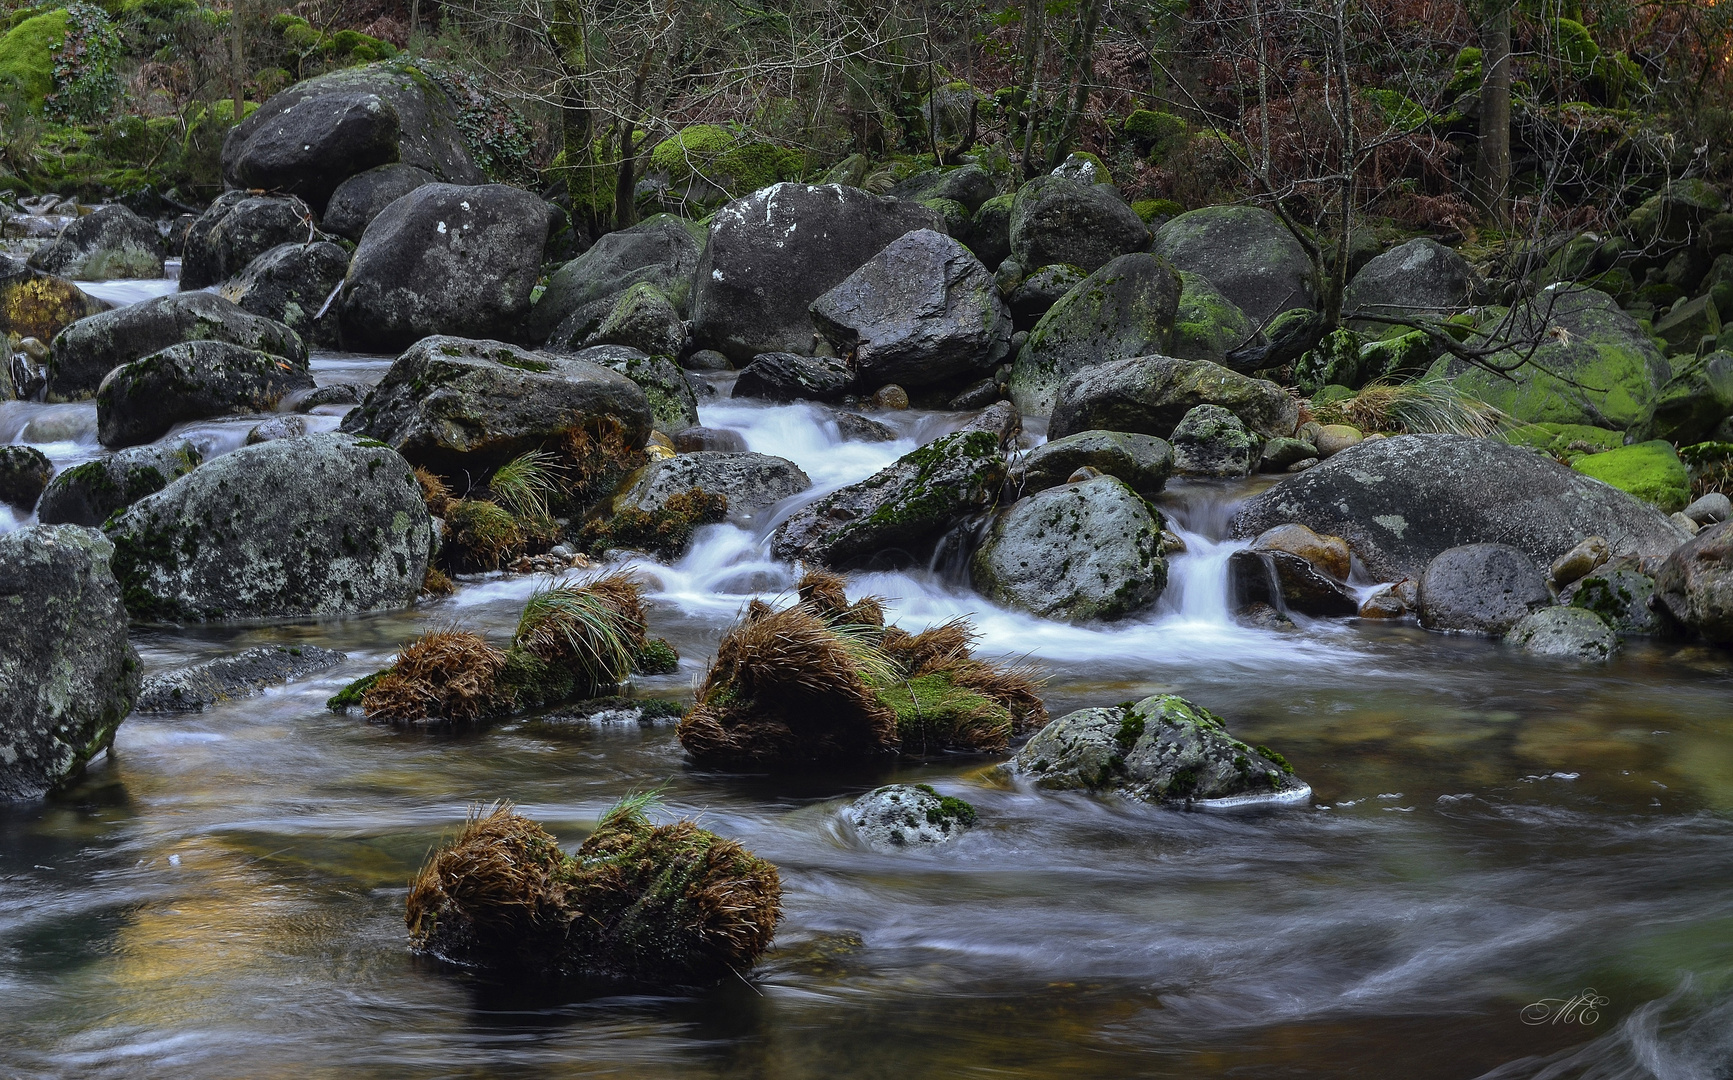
column 199, row 686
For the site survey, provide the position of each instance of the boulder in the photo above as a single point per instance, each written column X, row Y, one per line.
column 1291, row 568
column 88, row 493
column 922, row 311
column 853, row 427
column 197, row 687
column 1593, row 364
column 697, row 439
column 1152, row 394
column 444, row 259
column 904, row 817
column 1126, row 308
column 236, row 229
column 753, row 483
column 1162, row 749
column 456, row 405
column 1691, row 404
column 1620, row 596
column 644, row 319
column 989, row 235
column 968, row 184
column 1419, row 278
column 111, row 242
column 1710, row 509
column 1055, row 219
column 84, row 353
column 138, row 402
column 1578, row 561
column 1143, row 462
column 1206, row 324
column 1649, row 470
column 278, row 427
column 294, row 284
column 1567, row 633
column 659, row 251
column 24, row 473
column 903, row 508
column 38, row 305
column 70, row 673
column 1211, row 441
column 358, row 200
column 1695, row 584
column 1079, row 552
column 1246, row 253
column 1480, row 589
column 774, row 252
column 673, row 404
column 321, row 525
column 1280, row 453
column 1332, row 439
column 1034, row 295
column 792, row 377
column 1401, row 501
column 1327, row 554
column 316, row 134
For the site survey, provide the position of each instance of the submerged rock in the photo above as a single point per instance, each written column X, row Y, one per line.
column 1481, row 589
column 1695, row 584
column 69, row 672
column 902, row 817
column 1568, row 633
column 197, row 687
column 1162, row 749
column 111, row 242
column 86, row 494
column 140, row 401
column 1152, row 394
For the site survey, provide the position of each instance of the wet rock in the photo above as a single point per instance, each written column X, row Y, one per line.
column 697, row 439
column 783, row 376
column 138, row 402
column 1480, row 589
column 1695, row 584
column 673, row 404
column 642, row 318
column 1329, row 554
column 901, row 508
column 1245, row 252
column 904, row 817
column 111, row 242
column 1710, row 509
column 444, row 259
column 358, row 200
column 1211, row 441
column 236, row 229
column 853, row 427
column 1124, row 309
column 84, row 353
column 277, row 427
column 1079, row 552
column 453, row 404
column 1578, row 561
column 1567, row 633
column 1280, row 453
column 1207, row 325
column 989, row 233
column 609, row 711
column 1282, row 581
column 1152, row 394
column 1059, row 220
column 977, row 395
column 1001, row 419
column 1332, row 439
column 38, row 305
column 70, row 673
column 24, row 473
column 659, row 251
column 752, row 483
column 197, row 687
column 1391, row 602
column 1401, row 501
column 922, row 311
column 1143, row 462
column 1621, row 596
column 1419, row 278
column 319, row 525
column 1033, row 296
column 889, row 398
column 294, row 284
column 1689, row 405
column 774, row 252
column 1162, row 749
column 88, row 493
column 342, row 393
column 706, row 360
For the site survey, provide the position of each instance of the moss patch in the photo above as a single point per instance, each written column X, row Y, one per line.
column 1651, row 471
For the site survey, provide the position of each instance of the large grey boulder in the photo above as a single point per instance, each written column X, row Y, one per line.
column 444, row 259
column 138, row 402
column 902, row 509
column 659, row 251
column 316, row 134
column 358, row 200
column 294, row 285
column 86, row 494
column 236, row 229
column 69, row 673
column 1207, row 325
column 456, row 405
column 922, row 311
column 673, row 403
column 781, row 376
column 1079, row 552
column 1143, row 462
column 908, row 817
column 197, row 687
column 1211, row 441
column 1125, row 308
column 772, row 253
column 1419, row 278
column 1480, row 589
column 1695, row 584
column 83, row 354
column 111, row 242
column 1162, row 749
column 320, row 525
column 1567, row 633
column 753, row 483
column 1245, row 252
column 1152, row 394
column 1401, row 501
column 1055, row 219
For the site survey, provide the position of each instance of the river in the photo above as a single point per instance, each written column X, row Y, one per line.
column 222, row 896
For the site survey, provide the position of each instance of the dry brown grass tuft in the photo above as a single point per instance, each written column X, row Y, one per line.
column 434, row 491
column 826, row 594
column 449, row 675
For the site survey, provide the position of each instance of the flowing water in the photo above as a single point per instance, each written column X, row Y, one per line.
column 223, row 895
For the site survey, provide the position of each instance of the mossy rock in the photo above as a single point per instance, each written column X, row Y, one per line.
column 27, row 54
column 1564, row 441
column 709, row 164
column 1156, row 210
column 1157, row 134
column 1207, row 325
column 1651, row 471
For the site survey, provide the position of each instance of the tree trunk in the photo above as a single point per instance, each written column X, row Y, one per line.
column 1337, row 281
column 237, row 60
column 1083, row 75
column 577, row 125
column 1492, row 171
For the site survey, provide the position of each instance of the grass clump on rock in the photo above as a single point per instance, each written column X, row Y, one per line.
column 826, row 679
column 1418, row 407
column 655, row 905
column 665, row 531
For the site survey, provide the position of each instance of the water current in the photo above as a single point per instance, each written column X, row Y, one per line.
column 222, row 895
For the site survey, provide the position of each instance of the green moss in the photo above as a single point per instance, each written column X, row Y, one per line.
column 27, row 55
column 657, row 657
column 1398, row 111
column 950, row 809
column 932, row 713
column 1206, row 325
column 350, row 696
column 712, row 154
column 1563, row 441
column 1651, row 471
column 1151, row 209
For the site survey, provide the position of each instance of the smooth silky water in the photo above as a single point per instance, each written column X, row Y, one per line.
column 222, row 896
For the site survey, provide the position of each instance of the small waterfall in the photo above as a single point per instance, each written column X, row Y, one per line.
column 1197, row 580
